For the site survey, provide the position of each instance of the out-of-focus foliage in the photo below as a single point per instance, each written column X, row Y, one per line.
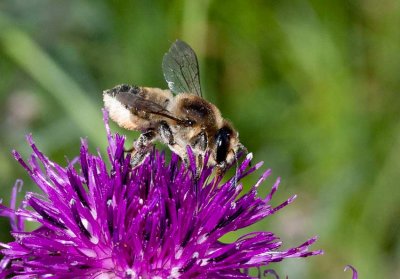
column 312, row 86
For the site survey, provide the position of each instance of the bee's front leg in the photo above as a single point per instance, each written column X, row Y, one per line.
column 200, row 141
column 142, row 146
column 167, row 137
column 199, row 145
column 220, row 170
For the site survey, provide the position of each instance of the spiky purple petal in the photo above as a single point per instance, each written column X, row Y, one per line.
column 355, row 273
column 159, row 220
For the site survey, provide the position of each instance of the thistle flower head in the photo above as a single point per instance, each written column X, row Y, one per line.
column 100, row 218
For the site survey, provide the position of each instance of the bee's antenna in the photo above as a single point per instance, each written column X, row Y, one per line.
column 244, row 149
column 237, row 167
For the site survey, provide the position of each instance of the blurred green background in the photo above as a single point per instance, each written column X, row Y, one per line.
column 312, row 86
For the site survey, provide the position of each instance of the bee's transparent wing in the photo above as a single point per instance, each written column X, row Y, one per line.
column 181, row 69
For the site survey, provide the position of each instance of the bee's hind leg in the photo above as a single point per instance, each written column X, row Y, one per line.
column 142, row 146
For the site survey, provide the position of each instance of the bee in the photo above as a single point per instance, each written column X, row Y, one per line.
column 178, row 117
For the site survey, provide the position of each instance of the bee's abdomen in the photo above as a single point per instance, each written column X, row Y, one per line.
column 118, row 102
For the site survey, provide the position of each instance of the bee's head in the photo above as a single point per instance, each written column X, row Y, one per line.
column 227, row 145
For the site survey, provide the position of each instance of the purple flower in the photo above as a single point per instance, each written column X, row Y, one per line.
column 101, row 219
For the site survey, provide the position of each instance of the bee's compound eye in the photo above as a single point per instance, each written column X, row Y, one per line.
column 222, row 141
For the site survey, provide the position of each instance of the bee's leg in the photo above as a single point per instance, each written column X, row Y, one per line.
column 186, row 160
column 200, row 142
column 242, row 148
column 167, row 137
column 220, row 170
column 219, row 173
column 199, row 166
column 199, row 163
column 142, row 147
column 166, row 134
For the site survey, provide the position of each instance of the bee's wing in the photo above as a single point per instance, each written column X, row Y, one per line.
column 136, row 103
column 181, row 69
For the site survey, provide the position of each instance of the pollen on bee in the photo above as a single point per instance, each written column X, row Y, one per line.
column 118, row 112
